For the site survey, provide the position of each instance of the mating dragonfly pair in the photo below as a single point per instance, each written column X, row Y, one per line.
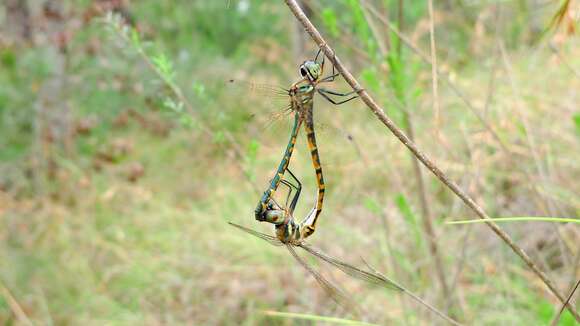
column 301, row 95
column 288, row 231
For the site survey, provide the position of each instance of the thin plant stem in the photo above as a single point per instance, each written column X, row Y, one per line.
column 557, row 317
column 434, row 81
column 423, row 202
column 564, row 60
column 395, row 267
column 427, row 162
column 14, row 306
column 441, row 75
column 428, row 221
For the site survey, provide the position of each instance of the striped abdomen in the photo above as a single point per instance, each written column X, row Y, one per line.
column 260, row 211
column 310, row 222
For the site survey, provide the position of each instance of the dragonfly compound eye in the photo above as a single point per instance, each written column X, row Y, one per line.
column 311, row 70
column 275, row 216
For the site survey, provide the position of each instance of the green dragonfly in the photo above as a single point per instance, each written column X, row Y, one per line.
column 301, row 95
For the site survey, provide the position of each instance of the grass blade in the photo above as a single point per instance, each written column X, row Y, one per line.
column 316, row 318
column 520, row 219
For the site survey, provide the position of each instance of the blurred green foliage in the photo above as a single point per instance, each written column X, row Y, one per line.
column 127, row 226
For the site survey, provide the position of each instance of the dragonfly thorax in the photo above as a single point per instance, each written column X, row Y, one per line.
column 302, row 90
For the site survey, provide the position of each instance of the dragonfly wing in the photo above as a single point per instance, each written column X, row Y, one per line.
column 257, row 96
column 262, row 109
column 334, row 292
column 268, row 238
column 373, row 278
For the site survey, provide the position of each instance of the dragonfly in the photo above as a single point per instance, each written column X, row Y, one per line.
column 301, row 95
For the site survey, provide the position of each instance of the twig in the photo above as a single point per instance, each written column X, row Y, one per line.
column 428, row 224
column 14, row 306
column 563, row 60
column 383, row 47
column 557, row 317
column 427, row 219
column 397, row 132
column 434, row 67
column 396, row 267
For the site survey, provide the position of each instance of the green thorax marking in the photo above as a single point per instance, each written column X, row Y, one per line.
column 302, row 99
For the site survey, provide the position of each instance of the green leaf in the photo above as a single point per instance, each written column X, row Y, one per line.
column 372, row 205
column 8, row 58
column 172, row 105
column 250, row 158
column 369, row 76
column 545, row 313
column 330, row 21
column 252, row 151
column 576, row 120
column 219, row 137
column 135, row 38
column 199, row 90
column 409, row 216
column 362, row 28
column 164, row 65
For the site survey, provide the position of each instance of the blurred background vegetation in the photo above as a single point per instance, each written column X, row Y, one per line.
column 123, row 153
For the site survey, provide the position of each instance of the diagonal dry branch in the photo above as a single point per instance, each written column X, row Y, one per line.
column 427, row 162
column 556, row 318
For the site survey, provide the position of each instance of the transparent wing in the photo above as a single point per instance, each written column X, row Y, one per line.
column 271, row 239
column 334, row 292
column 269, row 104
column 265, row 104
column 371, row 277
column 353, row 271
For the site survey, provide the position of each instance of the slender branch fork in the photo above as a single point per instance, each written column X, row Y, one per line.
column 427, row 162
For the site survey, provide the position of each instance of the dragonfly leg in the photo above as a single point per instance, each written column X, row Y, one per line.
column 332, row 76
column 291, row 187
column 322, row 64
column 317, row 54
column 297, row 195
column 328, row 78
column 325, row 93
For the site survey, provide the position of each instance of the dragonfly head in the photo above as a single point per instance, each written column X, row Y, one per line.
column 270, row 214
column 311, row 70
